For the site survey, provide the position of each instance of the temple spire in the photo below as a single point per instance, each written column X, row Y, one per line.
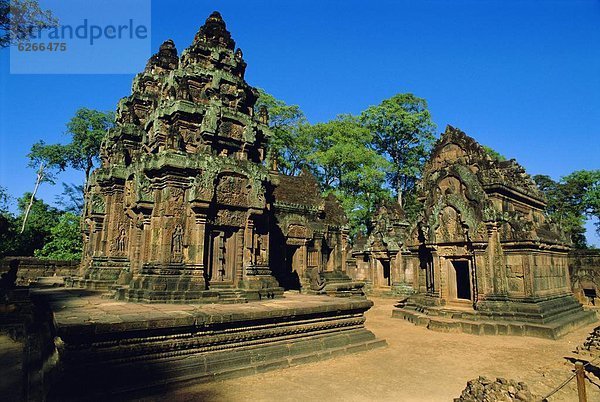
column 166, row 58
column 214, row 32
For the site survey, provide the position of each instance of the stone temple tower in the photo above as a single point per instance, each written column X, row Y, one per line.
column 178, row 210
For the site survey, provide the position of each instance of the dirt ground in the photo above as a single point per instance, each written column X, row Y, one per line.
column 417, row 365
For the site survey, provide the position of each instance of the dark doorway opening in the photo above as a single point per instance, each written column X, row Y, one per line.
column 292, row 280
column 387, row 277
column 463, row 282
column 426, row 264
column 591, row 295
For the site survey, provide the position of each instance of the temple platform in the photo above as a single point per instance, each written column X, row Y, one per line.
column 551, row 319
column 108, row 347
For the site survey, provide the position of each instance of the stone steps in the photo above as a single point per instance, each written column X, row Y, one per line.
column 140, row 346
column 231, row 296
column 553, row 330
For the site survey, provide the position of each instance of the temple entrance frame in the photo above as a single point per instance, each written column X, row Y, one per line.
column 459, row 279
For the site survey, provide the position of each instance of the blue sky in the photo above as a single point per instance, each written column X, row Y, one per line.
column 520, row 76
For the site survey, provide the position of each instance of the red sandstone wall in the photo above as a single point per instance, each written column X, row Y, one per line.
column 31, row 268
column 584, row 267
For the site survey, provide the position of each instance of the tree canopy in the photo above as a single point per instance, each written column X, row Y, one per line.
column 495, row 155
column 346, row 164
column 291, row 142
column 571, row 200
column 87, row 130
column 403, row 132
column 19, row 18
column 64, row 241
column 361, row 159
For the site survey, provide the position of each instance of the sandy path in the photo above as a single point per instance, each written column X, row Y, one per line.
column 418, row 365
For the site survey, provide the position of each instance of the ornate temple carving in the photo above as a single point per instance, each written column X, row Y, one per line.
column 183, row 207
column 483, row 244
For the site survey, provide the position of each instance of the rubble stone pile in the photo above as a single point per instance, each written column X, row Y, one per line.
column 591, row 346
column 483, row 389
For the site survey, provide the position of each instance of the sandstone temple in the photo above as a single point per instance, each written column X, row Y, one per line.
column 482, row 257
column 185, row 222
column 184, row 207
column 192, row 238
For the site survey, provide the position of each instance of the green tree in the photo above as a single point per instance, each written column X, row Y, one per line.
column 495, row 155
column 47, row 159
column 292, row 141
column 19, row 19
column 571, row 200
column 42, row 218
column 71, row 199
column 345, row 164
column 7, row 224
column 87, row 130
column 404, row 133
column 65, row 242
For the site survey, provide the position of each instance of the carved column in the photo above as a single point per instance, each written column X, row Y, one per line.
column 496, row 261
column 436, row 269
column 198, row 237
column 396, row 272
column 137, row 240
column 146, row 248
column 303, row 258
column 239, row 255
column 344, row 250
column 318, row 246
column 248, row 258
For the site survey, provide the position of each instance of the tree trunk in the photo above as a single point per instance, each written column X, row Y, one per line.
column 88, row 172
column 399, row 189
column 40, row 176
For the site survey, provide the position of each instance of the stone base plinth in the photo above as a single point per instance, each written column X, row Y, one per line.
column 550, row 318
column 396, row 290
column 107, row 347
column 338, row 284
column 103, row 274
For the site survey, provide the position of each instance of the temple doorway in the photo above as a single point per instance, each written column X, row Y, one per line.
column 292, row 266
column 384, row 272
column 223, row 257
column 462, row 280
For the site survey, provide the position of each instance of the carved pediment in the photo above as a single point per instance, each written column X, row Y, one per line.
column 449, row 154
column 297, row 231
column 233, row 190
column 450, row 227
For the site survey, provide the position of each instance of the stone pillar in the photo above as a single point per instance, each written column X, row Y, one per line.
column 343, row 251
column 239, row 255
column 496, row 261
column 396, row 272
column 410, row 274
column 303, row 250
column 249, row 243
column 319, row 262
column 373, row 271
column 137, row 240
column 198, row 241
column 146, row 248
column 436, row 269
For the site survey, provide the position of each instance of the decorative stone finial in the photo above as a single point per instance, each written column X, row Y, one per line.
column 263, row 115
column 166, row 57
column 214, row 32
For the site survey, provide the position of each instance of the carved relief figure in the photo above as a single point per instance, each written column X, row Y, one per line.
column 450, row 229
column 233, row 190
column 121, row 240
column 177, row 240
